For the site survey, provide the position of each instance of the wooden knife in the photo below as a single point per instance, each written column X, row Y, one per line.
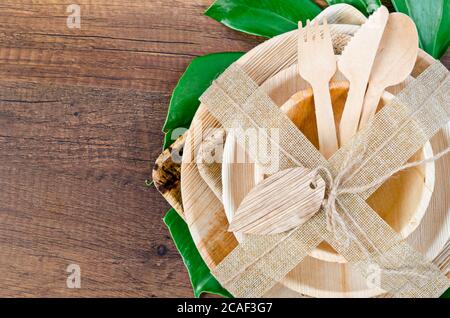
column 356, row 63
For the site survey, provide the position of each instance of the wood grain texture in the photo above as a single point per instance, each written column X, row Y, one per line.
column 80, row 117
column 209, row 159
column 261, row 213
column 81, row 112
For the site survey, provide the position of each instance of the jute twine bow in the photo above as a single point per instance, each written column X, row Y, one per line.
column 336, row 187
column 414, row 116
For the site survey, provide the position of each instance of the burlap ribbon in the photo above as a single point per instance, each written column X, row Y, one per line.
column 397, row 133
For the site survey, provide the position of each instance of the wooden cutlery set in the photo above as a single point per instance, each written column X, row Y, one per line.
column 381, row 54
column 371, row 59
column 333, row 98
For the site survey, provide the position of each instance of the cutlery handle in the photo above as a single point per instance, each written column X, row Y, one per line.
column 326, row 127
column 370, row 105
column 352, row 112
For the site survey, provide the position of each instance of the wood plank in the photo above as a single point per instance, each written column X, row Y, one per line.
column 74, row 161
column 127, row 44
column 81, row 112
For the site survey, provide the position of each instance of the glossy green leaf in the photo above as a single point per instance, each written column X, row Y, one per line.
column 185, row 98
column 263, row 17
column 183, row 105
column 201, row 279
column 432, row 18
column 446, row 294
column 365, row 6
column 400, row 6
column 266, row 18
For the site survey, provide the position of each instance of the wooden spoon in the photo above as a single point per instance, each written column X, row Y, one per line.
column 395, row 60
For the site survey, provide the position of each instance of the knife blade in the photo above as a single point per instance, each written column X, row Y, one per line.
column 356, row 64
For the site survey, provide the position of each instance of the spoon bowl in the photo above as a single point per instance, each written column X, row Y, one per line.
column 393, row 63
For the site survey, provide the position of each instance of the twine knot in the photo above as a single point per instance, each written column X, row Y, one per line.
column 336, row 186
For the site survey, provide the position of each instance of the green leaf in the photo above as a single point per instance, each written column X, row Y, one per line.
column 432, row 19
column 365, row 6
column 197, row 78
column 263, row 17
column 201, row 279
column 400, row 6
column 183, row 105
column 268, row 18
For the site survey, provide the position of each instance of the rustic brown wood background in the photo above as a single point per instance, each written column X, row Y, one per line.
column 81, row 112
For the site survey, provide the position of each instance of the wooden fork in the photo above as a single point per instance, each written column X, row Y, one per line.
column 317, row 65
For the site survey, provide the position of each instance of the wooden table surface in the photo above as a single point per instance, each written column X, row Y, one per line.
column 81, row 112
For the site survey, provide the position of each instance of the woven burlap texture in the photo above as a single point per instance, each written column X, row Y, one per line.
column 398, row 131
